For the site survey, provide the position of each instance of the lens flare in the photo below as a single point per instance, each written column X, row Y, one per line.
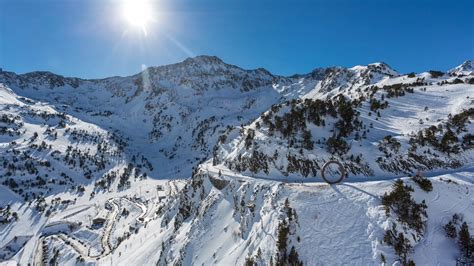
column 138, row 13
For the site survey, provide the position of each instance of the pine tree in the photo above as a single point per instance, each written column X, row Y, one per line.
column 249, row 261
column 449, row 138
column 402, row 247
column 450, row 230
column 464, row 238
column 307, row 140
column 283, row 231
column 293, row 257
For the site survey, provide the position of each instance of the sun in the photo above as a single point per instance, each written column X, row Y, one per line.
column 138, row 13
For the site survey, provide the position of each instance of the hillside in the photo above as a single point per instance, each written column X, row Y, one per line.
column 392, row 125
column 173, row 114
column 203, row 162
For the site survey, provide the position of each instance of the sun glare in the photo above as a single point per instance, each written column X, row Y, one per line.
column 138, row 13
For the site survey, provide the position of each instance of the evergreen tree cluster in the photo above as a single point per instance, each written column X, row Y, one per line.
column 399, row 89
column 286, row 255
column 458, row 228
column 376, row 104
column 435, row 74
column 124, row 178
column 400, row 244
column 445, row 137
column 294, row 122
column 423, row 182
column 7, row 215
column 388, row 145
column 454, row 81
column 337, row 145
column 304, row 166
column 192, row 193
column 459, row 121
column 408, row 212
column 256, row 162
column 10, row 125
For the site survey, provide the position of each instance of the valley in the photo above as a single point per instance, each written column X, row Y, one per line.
column 203, row 162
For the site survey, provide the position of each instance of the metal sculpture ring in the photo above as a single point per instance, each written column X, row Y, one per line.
column 341, row 170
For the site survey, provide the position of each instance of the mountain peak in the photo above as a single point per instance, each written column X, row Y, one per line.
column 203, row 59
column 466, row 68
column 379, row 64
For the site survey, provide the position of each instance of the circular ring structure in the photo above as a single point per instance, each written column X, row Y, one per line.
column 341, row 170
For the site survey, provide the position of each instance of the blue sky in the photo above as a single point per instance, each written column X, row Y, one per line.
column 91, row 38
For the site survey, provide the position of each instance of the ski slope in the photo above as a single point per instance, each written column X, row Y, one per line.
column 153, row 155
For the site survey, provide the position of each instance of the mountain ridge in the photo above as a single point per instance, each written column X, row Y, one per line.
column 214, row 59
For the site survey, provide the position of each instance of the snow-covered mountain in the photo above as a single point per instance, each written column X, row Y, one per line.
column 385, row 125
column 466, row 68
column 203, row 162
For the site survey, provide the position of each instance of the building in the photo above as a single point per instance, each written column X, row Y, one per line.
column 98, row 222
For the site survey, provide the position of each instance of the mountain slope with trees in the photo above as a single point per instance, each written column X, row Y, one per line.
column 203, row 162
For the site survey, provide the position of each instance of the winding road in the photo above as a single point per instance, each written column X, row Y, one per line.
column 80, row 248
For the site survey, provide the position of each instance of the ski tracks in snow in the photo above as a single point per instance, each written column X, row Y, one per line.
column 335, row 223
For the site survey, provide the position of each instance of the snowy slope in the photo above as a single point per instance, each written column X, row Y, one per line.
column 181, row 164
column 384, row 130
column 173, row 114
column 341, row 224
